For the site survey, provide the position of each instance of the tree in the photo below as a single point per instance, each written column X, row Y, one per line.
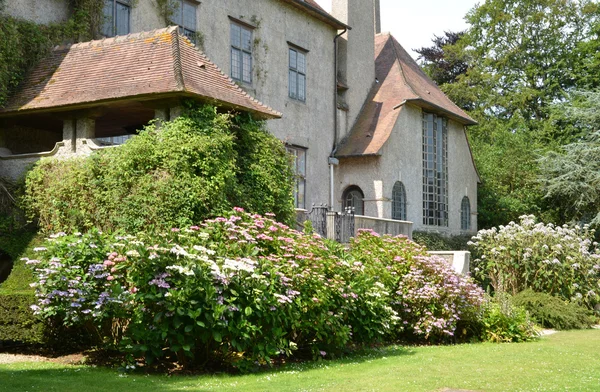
column 524, row 58
column 571, row 177
column 440, row 61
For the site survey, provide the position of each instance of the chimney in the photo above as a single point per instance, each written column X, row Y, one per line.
column 377, row 9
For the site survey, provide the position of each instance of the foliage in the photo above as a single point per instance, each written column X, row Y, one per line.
column 247, row 288
column 571, row 179
column 552, row 312
column 173, row 174
column 17, row 322
column 503, row 322
column 24, row 43
column 560, row 261
column 435, row 241
column 430, row 296
column 440, row 61
column 522, row 60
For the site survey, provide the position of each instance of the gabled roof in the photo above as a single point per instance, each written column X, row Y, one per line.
column 143, row 66
column 400, row 80
column 315, row 10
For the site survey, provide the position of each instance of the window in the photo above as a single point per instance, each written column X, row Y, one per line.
column 300, row 171
column 117, row 15
column 354, row 198
column 435, row 170
column 241, row 53
column 297, row 75
column 465, row 214
column 184, row 15
column 399, row 201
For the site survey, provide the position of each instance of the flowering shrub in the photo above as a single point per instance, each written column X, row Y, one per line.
column 428, row 295
column 558, row 260
column 239, row 289
column 500, row 321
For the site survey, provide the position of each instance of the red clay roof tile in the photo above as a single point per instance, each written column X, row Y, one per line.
column 147, row 65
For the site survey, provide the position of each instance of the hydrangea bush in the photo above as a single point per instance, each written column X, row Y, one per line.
column 428, row 295
column 559, row 260
column 245, row 289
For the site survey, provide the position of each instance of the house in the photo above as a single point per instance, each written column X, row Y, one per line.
column 369, row 130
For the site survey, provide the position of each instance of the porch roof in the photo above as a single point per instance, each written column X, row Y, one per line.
column 144, row 66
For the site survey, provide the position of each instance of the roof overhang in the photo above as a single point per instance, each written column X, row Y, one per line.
column 437, row 109
column 138, row 98
column 317, row 13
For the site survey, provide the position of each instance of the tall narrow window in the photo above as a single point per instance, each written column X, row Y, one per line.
column 465, row 214
column 300, row 171
column 184, row 15
column 399, row 201
column 297, row 75
column 241, row 53
column 435, row 170
column 353, row 198
column 117, row 15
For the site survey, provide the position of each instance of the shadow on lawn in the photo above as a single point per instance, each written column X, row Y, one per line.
column 21, row 377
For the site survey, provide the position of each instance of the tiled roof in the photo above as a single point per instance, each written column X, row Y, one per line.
column 143, row 66
column 312, row 8
column 401, row 81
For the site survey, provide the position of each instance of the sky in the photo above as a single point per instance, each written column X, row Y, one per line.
column 414, row 23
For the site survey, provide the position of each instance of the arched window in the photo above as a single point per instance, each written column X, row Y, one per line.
column 465, row 214
column 399, row 201
column 354, row 197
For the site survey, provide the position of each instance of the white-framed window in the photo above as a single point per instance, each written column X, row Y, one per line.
column 399, row 201
column 299, row 167
column 184, row 15
column 465, row 214
column 435, row 170
column 353, row 199
column 297, row 75
column 117, row 17
column 241, row 53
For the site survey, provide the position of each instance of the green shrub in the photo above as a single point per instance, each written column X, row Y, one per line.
column 502, row 322
column 197, row 166
column 552, row 312
column 436, row 241
column 561, row 261
column 17, row 321
column 245, row 289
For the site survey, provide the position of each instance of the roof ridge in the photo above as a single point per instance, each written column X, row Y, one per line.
column 399, row 63
column 115, row 39
column 177, row 67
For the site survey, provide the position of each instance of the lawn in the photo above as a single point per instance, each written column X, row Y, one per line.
column 566, row 361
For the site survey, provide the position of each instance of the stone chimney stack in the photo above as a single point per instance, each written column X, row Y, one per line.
column 356, row 57
column 377, row 10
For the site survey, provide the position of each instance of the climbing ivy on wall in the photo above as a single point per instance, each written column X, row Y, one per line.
column 23, row 43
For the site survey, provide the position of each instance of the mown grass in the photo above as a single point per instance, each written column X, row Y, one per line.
column 566, row 361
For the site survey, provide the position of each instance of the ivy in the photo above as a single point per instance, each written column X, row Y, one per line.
column 24, row 43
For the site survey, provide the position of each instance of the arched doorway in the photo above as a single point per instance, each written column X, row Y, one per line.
column 353, row 197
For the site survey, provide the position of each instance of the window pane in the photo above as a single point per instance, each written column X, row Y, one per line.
column 246, row 39
column 122, row 19
column 247, row 67
column 300, row 203
column 236, row 64
column 302, row 163
column 301, row 87
column 189, row 16
column 177, row 11
column 236, row 35
column 292, row 82
column 302, row 63
column 107, row 27
column 293, row 59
